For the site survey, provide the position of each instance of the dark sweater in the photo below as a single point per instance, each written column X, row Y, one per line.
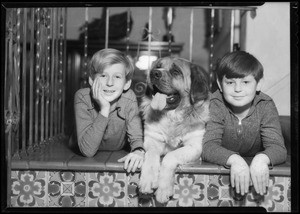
column 260, row 131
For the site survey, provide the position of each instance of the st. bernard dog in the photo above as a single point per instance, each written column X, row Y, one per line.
column 175, row 110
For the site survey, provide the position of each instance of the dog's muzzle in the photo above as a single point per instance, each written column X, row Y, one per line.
column 173, row 97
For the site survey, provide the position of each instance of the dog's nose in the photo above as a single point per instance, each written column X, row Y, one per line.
column 155, row 74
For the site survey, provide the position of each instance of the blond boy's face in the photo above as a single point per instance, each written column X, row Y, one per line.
column 239, row 92
column 113, row 82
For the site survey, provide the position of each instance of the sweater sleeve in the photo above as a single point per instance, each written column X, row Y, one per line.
column 213, row 151
column 134, row 124
column 89, row 130
column 271, row 135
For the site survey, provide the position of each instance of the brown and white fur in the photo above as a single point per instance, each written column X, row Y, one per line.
column 175, row 132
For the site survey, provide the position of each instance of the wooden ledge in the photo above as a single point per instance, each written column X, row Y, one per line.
column 57, row 156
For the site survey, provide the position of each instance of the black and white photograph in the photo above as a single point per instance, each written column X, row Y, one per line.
column 139, row 107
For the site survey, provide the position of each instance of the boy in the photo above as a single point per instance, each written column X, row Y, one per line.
column 244, row 123
column 108, row 111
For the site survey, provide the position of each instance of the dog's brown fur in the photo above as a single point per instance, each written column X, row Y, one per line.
column 176, row 131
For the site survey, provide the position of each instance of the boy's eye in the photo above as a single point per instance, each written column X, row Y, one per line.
column 229, row 83
column 118, row 76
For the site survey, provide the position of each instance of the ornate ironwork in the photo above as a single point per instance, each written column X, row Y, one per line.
column 12, row 120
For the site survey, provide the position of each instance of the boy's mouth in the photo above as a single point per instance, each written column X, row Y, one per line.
column 109, row 91
column 238, row 97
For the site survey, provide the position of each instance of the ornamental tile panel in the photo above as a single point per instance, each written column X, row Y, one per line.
column 111, row 189
column 67, row 189
column 28, row 189
column 107, row 189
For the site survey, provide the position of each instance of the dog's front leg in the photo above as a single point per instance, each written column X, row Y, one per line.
column 166, row 178
column 151, row 165
column 188, row 153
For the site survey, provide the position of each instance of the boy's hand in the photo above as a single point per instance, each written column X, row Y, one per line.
column 239, row 174
column 259, row 172
column 159, row 101
column 133, row 160
column 97, row 95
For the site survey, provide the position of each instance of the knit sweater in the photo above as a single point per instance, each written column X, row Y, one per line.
column 259, row 131
column 96, row 132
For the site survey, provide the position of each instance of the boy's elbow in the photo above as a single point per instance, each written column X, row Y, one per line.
column 285, row 154
column 282, row 157
column 89, row 155
column 87, row 152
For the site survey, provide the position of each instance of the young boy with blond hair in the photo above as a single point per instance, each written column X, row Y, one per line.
column 107, row 113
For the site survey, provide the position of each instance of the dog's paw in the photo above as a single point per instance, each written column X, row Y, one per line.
column 145, row 186
column 163, row 194
column 148, row 182
column 149, row 176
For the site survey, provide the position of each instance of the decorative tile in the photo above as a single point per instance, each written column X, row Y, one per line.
column 67, row 189
column 276, row 198
column 189, row 191
column 219, row 193
column 111, row 189
column 28, row 189
column 136, row 198
column 107, row 189
column 133, row 191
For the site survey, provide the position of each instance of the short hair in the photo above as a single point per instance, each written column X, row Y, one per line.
column 107, row 57
column 239, row 64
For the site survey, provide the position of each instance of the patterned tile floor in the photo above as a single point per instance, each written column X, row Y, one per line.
column 112, row 189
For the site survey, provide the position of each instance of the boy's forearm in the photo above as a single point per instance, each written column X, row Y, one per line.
column 89, row 142
column 215, row 153
column 276, row 156
column 135, row 133
column 90, row 135
column 134, row 127
column 273, row 141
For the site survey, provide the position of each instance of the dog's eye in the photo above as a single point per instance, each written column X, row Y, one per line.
column 158, row 65
column 175, row 72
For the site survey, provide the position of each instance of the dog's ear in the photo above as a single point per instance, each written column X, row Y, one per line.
column 199, row 84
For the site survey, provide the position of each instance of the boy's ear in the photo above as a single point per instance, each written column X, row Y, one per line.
column 127, row 85
column 219, row 84
column 91, row 81
column 259, row 84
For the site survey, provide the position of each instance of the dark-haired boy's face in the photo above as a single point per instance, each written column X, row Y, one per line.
column 239, row 92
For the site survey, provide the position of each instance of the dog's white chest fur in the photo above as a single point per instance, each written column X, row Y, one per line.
column 167, row 129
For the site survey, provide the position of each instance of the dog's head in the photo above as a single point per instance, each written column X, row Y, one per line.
column 182, row 81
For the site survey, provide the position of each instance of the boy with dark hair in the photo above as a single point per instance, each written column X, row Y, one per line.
column 244, row 123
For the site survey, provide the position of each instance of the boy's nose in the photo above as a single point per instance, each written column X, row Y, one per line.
column 109, row 81
column 237, row 87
